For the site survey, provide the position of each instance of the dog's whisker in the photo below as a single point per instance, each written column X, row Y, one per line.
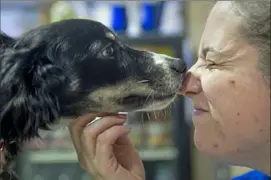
column 142, row 120
column 168, row 111
column 146, row 100
column 149, row 118
column 174, row 104
column 155, row 116
column 143, row 81
column 152, row 96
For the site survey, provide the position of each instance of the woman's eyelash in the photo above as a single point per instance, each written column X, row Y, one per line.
column 210, row 63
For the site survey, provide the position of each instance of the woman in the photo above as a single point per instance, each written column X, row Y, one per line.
column 230, row 89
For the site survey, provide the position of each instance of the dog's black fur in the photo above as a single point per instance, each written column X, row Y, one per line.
column 72, row 67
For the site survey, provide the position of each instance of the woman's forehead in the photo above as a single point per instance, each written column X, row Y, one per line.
column 222, row 26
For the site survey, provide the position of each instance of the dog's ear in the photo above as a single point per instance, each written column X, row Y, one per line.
column 28, row 76
column 5, row 40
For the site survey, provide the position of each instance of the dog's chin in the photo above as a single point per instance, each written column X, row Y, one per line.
column 156, row 106
column 130, row 104
column 138, row 103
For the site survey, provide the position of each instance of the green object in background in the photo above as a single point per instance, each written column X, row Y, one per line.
column 164, row 171
column 61, row 10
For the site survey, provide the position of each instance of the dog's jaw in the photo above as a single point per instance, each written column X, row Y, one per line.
column 159, row 105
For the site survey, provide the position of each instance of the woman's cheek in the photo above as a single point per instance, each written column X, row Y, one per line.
column 234, row 103
column 223, row 94
column 218, row 86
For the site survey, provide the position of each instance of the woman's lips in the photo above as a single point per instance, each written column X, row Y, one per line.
column 197, row 112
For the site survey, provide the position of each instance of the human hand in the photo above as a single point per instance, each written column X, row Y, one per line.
column 104, row 149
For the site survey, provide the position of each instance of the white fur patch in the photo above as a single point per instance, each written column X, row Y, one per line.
column 110, row 35
column 161, row 58
column 158, row 59
column 74, row 84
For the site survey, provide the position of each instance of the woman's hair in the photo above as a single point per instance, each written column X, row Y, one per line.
column 256, row 28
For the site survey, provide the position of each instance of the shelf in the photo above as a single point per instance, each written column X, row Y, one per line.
column 69, row 156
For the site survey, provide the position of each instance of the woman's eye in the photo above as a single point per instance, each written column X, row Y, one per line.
column 108, row 51
column 210, row 64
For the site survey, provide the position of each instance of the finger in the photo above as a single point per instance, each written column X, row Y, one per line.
column 111, row 135
column 105, row 157
column 77, row 125
column 91, row 132
column 124, row 140
column 75, row 128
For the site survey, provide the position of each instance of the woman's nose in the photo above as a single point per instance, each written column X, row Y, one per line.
column 191, row 85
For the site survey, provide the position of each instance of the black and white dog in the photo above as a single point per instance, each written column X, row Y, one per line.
column 73, row 67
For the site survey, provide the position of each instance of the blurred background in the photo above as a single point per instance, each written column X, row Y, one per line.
column 164, row 138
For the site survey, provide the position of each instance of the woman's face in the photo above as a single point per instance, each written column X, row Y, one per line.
column 230, row 98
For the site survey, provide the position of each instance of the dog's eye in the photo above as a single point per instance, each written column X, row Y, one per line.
column 108, row 51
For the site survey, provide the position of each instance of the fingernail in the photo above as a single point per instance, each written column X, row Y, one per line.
column 123, row 119
column 98, row 119
column 94, row 121
column 124, row 116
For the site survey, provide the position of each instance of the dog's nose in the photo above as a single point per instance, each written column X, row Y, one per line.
column 178, row 65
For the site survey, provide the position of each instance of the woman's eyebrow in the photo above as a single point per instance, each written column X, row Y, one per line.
column 213, row 50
